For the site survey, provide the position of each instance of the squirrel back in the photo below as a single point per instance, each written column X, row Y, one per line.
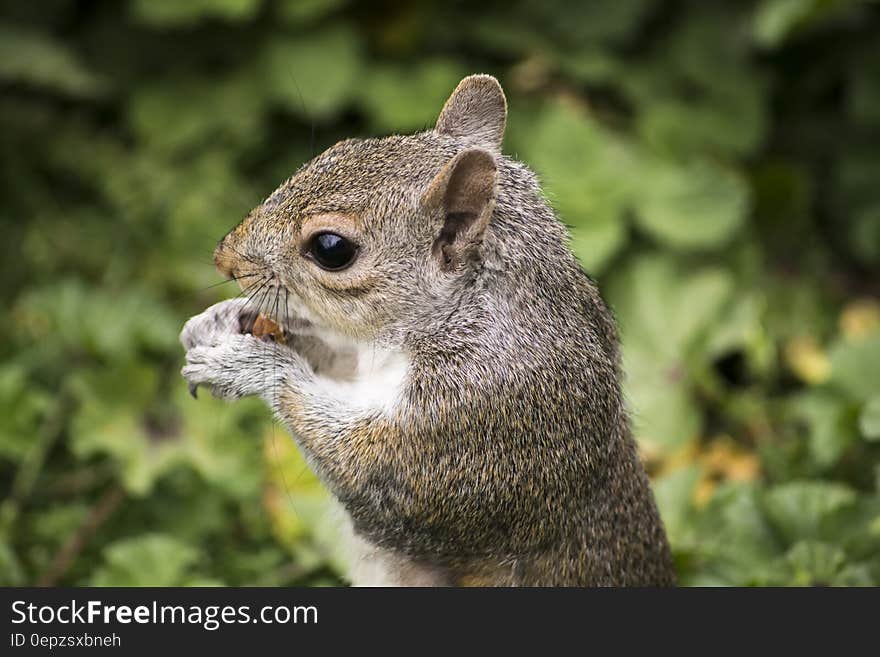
column 543, row 437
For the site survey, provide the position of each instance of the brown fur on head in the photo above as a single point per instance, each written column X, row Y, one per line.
column 416, row 207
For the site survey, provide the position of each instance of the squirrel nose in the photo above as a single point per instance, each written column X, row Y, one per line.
column 223, row 260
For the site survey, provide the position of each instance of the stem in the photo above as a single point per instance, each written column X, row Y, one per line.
column 28, row 472
column 106, row 506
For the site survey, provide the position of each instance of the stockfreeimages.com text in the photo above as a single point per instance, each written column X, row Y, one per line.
column 210, row 617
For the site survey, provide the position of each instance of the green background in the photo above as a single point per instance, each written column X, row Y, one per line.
column 717, row 163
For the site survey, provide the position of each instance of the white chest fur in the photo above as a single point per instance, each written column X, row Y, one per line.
column 374, row 383
column 377, row 380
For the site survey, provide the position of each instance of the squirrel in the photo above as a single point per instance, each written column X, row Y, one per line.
column 451, row 374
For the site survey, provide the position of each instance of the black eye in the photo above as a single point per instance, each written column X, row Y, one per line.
column 332, row 251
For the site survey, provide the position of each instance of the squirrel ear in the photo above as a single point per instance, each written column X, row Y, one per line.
column 462, row 195
column 476, row 111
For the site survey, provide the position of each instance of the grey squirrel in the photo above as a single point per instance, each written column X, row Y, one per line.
column 451, row 373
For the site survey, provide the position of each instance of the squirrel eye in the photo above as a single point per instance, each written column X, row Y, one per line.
column 331, row 251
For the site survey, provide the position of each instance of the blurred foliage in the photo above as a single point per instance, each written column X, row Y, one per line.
column 717, row 163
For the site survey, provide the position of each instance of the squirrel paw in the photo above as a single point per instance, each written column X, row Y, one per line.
column 214, row 325
column 241, row 366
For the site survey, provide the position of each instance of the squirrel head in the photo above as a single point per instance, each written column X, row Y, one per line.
column 372, row 231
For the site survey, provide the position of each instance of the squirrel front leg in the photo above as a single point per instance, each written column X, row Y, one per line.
column 401, row 485
column 335, row 435
column 342, row 441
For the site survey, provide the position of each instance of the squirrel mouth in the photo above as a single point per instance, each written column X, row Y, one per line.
column 267, row 312
column 273, row 329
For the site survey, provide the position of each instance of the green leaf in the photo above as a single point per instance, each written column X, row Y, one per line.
column 315, row 75
column 740, row 325
column 594, row 177
column 830, row 422
column 666, row 309
column 203, row 435
column 299, row 12
column 664, row 413
column 799, row 510
column 696, row 94
column 596, row 243
column 178, row 115
column 856, row 528
column 170, row 13
column 664, row 314
column 408, row 98
column 583, row 169
column 865, row 233
column 857, row 172
column 732, row 541
column 674, row 495
column 690, row 206
column 122, row 435
column 21, row 409
column 216, row 444
column 11, row 571
column 869, row 420
column 146, row 560
column 865, row 95
column 729, row 123
column 37, row 60
column 588, row 64
column 777, row 20
column 812, row 563
column 854, row 367
column 598, row 20
column 53, row 526
column 70, row 317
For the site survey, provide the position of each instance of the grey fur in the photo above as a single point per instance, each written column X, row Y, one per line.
column 508, row 459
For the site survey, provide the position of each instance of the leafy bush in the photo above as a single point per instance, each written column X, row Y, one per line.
column 717, row 163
